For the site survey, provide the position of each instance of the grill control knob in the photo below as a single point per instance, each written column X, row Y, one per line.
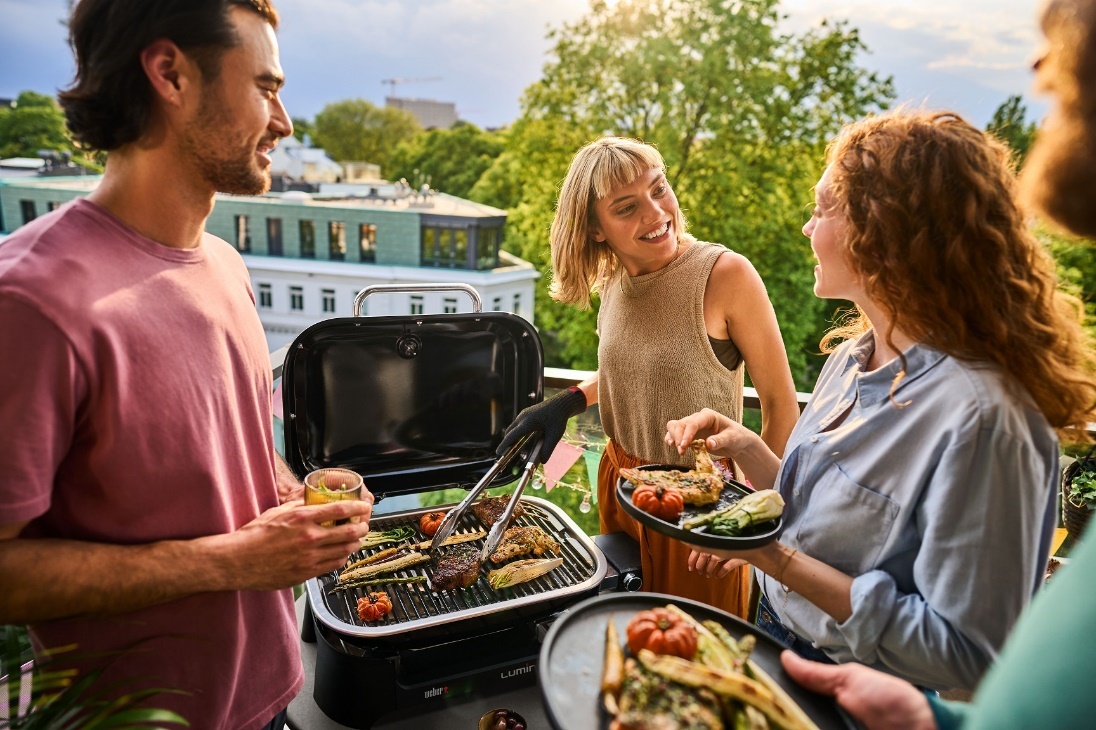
column 408, row 346
column 631, row 582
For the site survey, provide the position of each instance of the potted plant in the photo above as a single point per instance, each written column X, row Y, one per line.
column 34, row 696
column 1078, row 494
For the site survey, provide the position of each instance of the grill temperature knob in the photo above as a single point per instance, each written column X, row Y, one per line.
column 631, row 582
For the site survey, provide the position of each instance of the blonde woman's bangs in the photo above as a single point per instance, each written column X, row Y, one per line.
column 620, row 166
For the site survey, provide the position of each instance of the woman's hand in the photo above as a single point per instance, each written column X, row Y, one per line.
column 723, row 437
column 718, row 563
column 877, row 700
column 713, row 566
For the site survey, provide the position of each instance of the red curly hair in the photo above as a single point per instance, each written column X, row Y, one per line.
column 939, row 243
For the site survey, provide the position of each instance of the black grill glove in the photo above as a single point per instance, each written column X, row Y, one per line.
column 549, row 418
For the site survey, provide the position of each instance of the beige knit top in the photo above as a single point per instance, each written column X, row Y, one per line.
column 655, row 362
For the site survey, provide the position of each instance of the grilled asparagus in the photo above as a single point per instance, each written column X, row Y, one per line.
column 388, row 566
column 451, row 540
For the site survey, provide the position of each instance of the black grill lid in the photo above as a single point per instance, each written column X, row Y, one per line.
column 412, row 403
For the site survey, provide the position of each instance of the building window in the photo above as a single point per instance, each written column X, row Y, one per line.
column 445, row 247
column 29, row 211
column 296, row 298
column 488, row 241
column 328, row 300
column 449, row 306
column 496, row 304
column 336, row 238
column 308, row 239
column 460, row 248
column 274, row 236
column 266, row 299
column 243, row 233
column 416, row 304
column 517, row 304
column 52, row 205
column 368, row 242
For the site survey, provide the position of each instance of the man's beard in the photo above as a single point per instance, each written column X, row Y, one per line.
column 227, row 164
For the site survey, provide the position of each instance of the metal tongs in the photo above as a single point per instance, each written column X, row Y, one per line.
column 494, row 537
column 453, row 517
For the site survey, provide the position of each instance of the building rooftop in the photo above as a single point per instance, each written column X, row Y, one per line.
column 381, row 196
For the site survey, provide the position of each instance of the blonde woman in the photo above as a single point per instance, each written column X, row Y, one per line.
column 678, row 321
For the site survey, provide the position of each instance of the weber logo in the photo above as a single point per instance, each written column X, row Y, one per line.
column 517, row 672
column 436, row 692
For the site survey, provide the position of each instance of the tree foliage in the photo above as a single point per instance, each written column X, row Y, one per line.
column 34, row 123
column 1011, row 126
column 355, row 129
column 449, row 160
column 302, row 127
column 740, row 112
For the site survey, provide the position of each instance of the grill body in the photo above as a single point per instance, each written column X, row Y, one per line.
column 436, row 647
column 414, row 404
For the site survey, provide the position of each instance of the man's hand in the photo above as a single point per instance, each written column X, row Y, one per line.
column 877, row 700
column 287, row 545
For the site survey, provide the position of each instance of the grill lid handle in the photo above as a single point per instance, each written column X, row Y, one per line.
column 453, row 517
column 494, row 537
column 359, row 300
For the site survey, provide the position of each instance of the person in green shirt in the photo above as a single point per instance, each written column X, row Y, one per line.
column 1042, row 678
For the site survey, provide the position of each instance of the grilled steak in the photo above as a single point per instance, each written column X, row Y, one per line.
column 522, row 541
column 651, row 702
column 489, row 510
column 458, row 568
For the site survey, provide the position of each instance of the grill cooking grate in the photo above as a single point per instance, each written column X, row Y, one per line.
column 416, row 602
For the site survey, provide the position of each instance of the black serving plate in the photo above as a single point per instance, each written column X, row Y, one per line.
column 571, row 658
column 733, row 491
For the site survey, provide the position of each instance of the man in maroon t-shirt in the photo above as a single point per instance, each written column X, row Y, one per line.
column 144, row 514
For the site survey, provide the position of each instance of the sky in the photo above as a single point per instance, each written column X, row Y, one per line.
column 968, row 56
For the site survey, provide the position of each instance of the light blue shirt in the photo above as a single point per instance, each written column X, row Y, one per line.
column 941, row 510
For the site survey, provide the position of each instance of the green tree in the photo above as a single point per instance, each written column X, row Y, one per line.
column 451, row 159
column 1010, row 125
column 741, row 113
column 355, row 129
column 303, row 126
column 34, row 123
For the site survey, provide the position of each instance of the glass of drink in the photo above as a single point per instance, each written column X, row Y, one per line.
column 332, row 485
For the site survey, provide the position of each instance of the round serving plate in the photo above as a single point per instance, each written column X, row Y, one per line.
column 571, row 659
column 733, row 491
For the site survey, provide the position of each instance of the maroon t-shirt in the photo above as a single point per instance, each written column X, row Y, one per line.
column 136, row 407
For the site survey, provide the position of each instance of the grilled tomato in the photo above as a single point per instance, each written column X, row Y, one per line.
column 662, row 632
column 374, row 607
column 430, row 522
column 664, row 503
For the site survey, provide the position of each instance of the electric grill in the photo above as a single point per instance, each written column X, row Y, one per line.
column 419, row 403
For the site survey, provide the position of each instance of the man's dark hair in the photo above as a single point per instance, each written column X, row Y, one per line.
column 109, row 102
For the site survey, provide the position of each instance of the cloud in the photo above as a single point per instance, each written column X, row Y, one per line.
column 970, row 55
column 485, row 51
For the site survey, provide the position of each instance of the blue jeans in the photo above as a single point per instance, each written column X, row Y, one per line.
column 768, row 621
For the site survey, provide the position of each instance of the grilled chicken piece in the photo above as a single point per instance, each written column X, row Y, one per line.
column 522, row 541
column 649, row 702
column 489, row 509
column 700, row 486
column 458, row 568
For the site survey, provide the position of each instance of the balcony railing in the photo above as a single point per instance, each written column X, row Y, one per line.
column 576, row 490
